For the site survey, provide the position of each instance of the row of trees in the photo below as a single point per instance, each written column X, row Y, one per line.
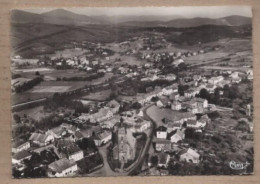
column 88, row 78
column 28, row 85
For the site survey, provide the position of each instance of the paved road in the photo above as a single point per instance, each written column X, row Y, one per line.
column 105, row 170
column 148, row 142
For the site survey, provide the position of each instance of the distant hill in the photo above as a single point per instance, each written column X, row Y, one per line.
column 65, row 17
column 57, row 17
column 33, row 34
column 194, row 22
column 19, row 16
column 236, row 20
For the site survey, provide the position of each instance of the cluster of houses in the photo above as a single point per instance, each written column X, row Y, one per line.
column 168, row 77
column 102, row 115
column 98, row 126
column 175, row 114
column 62, row 140
column 175, row 57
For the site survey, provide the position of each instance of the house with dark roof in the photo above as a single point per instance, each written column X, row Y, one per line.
column 192, row 123
column 69, row 150
column 196, row 124
column 163, row 159
column 41, row 139
column 162, row 144
column 81, row 134
column 173, row 126
column 20, row 156
column 20, row 146
column 62, row 168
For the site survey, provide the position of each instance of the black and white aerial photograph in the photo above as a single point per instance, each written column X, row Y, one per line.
column 140, row 91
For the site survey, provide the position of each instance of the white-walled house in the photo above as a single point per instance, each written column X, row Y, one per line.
column 57, row 132
column 78, row 155
column 177, row 136
column 102, row 138
column 41, row 139
column 161, row 132
column 163, row 102
column 204, row 102
column 189, row 155
column 176, row 106
column 215, row 80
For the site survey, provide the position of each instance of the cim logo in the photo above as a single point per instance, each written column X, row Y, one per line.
column 237, row 165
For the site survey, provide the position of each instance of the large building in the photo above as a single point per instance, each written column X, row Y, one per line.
column 126, row 147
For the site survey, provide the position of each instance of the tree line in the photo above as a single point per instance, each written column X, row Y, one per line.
column 28, row 85
column 88, row 78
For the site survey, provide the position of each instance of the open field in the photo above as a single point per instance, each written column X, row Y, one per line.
column 34, row 95
column 67, row 53
column 33, row 70
column 230, row 52
column 210, row 56
column 55, row 73
column 36, row 113
column 72, row 84
column 50, row 89
column 100, row 95
column 156, row 114
column 131, row 60
column 18, row 98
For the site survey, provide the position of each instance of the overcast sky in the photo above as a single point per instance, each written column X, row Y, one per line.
column 188, row 12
